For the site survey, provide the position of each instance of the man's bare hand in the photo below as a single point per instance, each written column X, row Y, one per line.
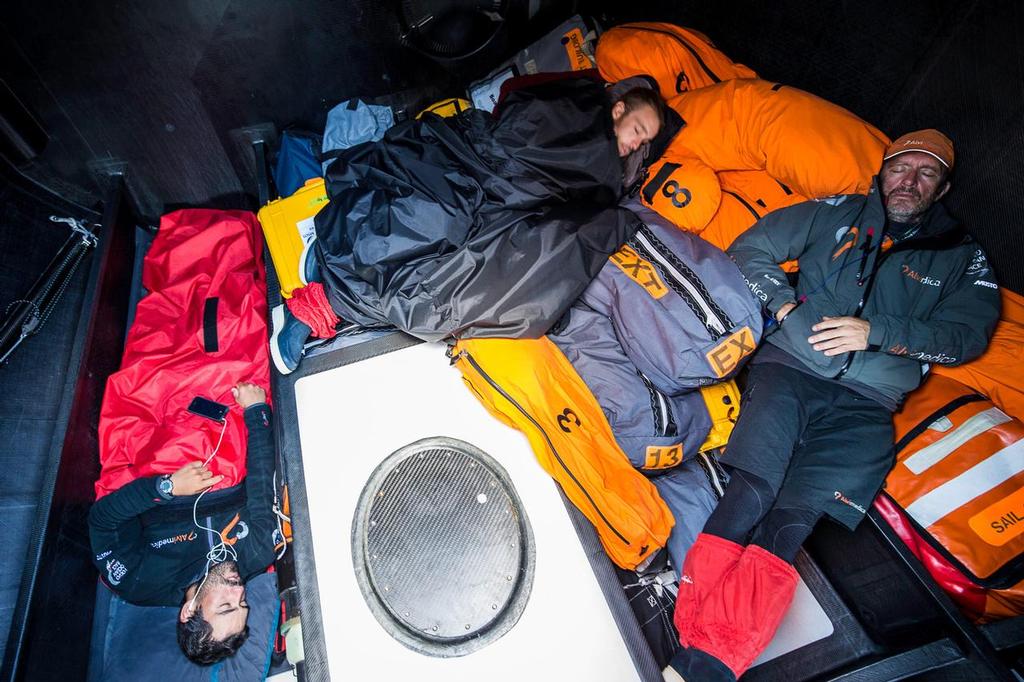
column 193, row 478
column 247, row 394
column 838, row 335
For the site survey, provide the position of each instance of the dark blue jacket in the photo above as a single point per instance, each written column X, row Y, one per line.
column 148, row 550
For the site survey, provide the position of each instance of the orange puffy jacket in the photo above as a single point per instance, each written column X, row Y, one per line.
column 811, row 146
column 680, row 59
column 747, row 196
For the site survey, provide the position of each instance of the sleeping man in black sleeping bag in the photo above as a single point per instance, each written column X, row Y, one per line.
column 473, row 226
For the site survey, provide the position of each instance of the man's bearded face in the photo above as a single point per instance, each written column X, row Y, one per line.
column 911, row 183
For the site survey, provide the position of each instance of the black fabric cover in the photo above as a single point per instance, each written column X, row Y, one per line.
column 476, row 226
column 652, row 597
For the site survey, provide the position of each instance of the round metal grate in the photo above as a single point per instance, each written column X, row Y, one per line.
column 442, row 548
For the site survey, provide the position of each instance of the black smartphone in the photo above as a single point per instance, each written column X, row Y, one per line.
column 210, row 409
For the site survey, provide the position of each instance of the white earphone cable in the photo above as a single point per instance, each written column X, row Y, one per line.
column 221, row 551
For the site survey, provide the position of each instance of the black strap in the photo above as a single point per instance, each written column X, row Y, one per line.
column 737, row 197
column 651, row 187
column 776, row 87
column 943, row 411
column 331, row 154
column 210, row 341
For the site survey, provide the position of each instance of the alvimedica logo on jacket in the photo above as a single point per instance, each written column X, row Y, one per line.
column 174, row 539
column 918, row 277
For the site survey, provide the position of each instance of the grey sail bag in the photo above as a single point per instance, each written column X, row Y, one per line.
column 679, row 305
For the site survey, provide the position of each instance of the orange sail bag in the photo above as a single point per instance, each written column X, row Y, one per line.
column 999, row 373
column 959, row 481
column 529, row 385
column 811, row 146
column 680, row 59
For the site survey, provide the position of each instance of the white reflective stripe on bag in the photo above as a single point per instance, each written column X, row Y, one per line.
column 976, row 481
column 929, row 456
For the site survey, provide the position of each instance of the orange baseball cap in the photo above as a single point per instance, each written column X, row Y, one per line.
column 929, row 141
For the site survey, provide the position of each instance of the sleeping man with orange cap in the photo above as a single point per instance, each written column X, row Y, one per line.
column 889, row 285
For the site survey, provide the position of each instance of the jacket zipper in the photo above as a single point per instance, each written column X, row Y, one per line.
column 714, row 320
column 682, row 41
column 558, row 457
column 644, row 173
column 711, row 471
column 664, row 425
column 869, row 285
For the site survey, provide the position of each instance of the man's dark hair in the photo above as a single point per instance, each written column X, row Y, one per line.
column 640, row 97
column 195, row 637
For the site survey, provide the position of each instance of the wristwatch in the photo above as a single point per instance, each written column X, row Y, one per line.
column 165, row 486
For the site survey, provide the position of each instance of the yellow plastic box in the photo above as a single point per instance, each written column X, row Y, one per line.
column 288, row 226
column 723, row 401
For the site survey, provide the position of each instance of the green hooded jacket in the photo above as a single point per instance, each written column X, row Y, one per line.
column 929, row 298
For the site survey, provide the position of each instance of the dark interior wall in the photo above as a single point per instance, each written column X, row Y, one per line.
column 947, row 64
column 111, row 84
column 33, row 378
column 160, row 86
column 157, row 87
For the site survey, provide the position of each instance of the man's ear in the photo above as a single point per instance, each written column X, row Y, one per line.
column 618, row 109
column 189, row 607
column 942, row 192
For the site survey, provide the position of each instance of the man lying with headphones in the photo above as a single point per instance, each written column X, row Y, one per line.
column 155, row 545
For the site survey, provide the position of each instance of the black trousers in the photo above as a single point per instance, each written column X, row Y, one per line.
column 817, row 444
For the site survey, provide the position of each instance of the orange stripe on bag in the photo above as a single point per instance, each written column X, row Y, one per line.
column 639, row 270
column 726, row 356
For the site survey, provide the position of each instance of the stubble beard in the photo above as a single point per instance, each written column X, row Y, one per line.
column 904, row 212
column 224, row 573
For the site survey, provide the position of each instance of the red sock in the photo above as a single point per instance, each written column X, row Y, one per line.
column 739, row 618
column 707, row 562
column 310, row 305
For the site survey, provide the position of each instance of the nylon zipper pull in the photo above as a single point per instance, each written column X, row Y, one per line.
column 864, row 250
column 452, row 356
